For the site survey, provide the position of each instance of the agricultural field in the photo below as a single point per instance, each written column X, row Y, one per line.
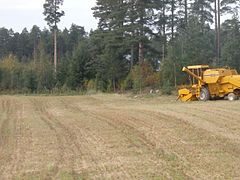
column 118, row 137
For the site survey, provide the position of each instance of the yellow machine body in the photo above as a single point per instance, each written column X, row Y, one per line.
column 209, row 83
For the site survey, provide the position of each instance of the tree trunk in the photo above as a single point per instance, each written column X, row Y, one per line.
column 216, row 31
column 141, row 53
column 132, row 45
column 218, row 34
column 132, row 56
column 163, row 52
column 34, row 53
column 172, row 19
column 175, row 75
column 202, row 18
column 164, row 32
column 55, row 50
column 114, row 85
column 186, row 12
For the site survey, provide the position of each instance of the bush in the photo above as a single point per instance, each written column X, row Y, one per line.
column 127, row 84
column 90, row 85
column 167, row 88
column 141, row 77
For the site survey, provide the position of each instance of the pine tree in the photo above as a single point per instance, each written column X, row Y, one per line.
column 35, row 36
column 160, row 23
column 5, row 39
column 203, row 10
column 230, row 39
column 114, row 46
column 182, row 14
column 223, row 7
column 53, row 15
column 144, row 19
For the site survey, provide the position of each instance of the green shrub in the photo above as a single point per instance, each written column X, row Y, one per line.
column 167, row 88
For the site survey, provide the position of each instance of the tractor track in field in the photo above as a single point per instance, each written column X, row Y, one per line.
column 17, row 139
column 70, row 139
column 39, row 108
column 170, row 123
column 114, row 120
column 221, row 115
column 219, row 112
column 209, row 122
column 129, row 126
column 93, row 140
column 124, row 126
column 117, row 137
column 66, row 139
column 146, row 129
column 6, row 135
column 207, row 118
column 22, row 140
column 117, row 122
column 5, row 120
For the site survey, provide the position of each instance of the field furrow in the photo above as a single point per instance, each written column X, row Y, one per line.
column 118, row 137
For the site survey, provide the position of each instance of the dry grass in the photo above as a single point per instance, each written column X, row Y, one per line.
column 118, row 137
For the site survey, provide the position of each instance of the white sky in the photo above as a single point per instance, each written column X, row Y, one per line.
column 18, row 14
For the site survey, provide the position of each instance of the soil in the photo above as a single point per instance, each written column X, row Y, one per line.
column 118, row 137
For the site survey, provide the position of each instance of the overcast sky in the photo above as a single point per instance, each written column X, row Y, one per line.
column 17, row 14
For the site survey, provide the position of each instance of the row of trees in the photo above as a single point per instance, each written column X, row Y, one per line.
column 138, row 44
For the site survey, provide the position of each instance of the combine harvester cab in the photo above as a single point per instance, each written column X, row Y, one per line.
column 209, row 84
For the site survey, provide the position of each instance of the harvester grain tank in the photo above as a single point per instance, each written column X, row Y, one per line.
column 207, row 83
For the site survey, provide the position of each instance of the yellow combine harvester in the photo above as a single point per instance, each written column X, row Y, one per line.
column 209, row 83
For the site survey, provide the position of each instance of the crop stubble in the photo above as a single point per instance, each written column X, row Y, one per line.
column 118, row 137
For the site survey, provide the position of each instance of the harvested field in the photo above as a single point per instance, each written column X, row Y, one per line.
column 118, row 137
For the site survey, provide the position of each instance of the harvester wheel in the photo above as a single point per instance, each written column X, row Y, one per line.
column 232, row 97
column 204, row 94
